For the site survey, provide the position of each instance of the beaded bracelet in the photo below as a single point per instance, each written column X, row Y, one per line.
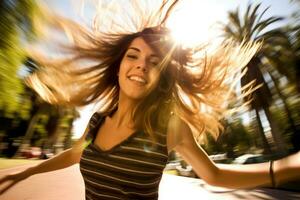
column 271, row 172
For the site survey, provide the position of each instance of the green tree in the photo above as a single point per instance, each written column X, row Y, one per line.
column 294, row 30
column 56, row 129
column 17, row 26
column 295, row 38
column 252, row 27
column 235, row 140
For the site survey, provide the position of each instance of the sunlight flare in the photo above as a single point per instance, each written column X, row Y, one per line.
column 193, row 23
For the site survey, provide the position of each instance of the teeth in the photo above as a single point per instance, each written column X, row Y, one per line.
column 137, row 78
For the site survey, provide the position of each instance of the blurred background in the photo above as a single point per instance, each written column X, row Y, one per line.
column 31, row 129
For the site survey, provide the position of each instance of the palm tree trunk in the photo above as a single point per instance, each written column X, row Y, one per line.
column 279, row 140
column 294, row 129
column 28, row 135
column 298, row 74
column 266, row 146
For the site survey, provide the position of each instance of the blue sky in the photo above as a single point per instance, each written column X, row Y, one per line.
column 207, row 12
column 278, row 7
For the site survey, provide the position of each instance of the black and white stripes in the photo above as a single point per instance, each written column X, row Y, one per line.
column 131, row 170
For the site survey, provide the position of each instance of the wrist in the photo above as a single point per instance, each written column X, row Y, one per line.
column 27, row 173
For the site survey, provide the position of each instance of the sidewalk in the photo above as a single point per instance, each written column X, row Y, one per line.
column 67, row 184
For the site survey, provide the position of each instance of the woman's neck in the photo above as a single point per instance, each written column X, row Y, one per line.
column 123, row 117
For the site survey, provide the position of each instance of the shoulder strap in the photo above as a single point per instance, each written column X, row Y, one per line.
column 94, row 124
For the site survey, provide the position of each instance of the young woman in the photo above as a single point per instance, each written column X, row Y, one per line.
column 155, row 97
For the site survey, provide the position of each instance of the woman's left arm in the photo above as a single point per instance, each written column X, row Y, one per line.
column 285, row 169
column 180, row 139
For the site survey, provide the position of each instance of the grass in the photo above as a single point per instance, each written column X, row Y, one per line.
column 8, row 163
column 172, row 172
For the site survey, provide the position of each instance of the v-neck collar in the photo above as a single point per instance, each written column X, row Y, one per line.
column 101, row 120
column 113, row 148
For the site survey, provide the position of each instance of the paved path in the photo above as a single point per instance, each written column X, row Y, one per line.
column 67, row 184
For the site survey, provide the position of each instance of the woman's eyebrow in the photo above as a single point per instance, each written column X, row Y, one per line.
column 137, row 49
column 134, row 48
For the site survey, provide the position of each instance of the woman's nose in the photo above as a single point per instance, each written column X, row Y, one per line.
column 142, row 65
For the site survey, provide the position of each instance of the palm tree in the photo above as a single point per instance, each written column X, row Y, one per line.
column 294, row 29
column 295, row 37
column 252, row 27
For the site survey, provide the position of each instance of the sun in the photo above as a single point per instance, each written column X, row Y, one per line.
column 193, row 22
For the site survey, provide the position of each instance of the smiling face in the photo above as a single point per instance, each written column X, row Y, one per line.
column 138, row 73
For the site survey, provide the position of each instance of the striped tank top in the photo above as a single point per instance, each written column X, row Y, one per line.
column 131, row 170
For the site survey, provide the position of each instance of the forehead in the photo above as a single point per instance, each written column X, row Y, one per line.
column 139, row 44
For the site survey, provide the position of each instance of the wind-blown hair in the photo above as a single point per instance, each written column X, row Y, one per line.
column 194, row 84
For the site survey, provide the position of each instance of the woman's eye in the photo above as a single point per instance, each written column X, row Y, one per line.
column 132, row 56
column 154, row 62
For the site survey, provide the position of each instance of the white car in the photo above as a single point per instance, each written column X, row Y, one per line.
column 249, row 158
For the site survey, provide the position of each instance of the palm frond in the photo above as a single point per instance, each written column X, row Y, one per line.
column 235, row 20
column 252, row 18
column 262, row 14
column 230, row 33
column 273, row 35
column 260, row 26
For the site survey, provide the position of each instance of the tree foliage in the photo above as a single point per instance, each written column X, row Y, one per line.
column 253, row 26
column 17, row 26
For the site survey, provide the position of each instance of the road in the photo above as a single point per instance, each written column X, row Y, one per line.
column 67, row 184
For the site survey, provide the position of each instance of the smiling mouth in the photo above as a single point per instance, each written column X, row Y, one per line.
column 137, row 79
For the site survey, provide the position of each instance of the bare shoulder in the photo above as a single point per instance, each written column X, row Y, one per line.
column 178, row 133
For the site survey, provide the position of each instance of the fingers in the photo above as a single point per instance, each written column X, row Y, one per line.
column 6, row 179
column 3, row 190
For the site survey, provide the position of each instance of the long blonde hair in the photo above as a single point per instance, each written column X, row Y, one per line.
column 194, row 84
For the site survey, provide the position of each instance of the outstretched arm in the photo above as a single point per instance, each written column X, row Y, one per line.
column 65, row 159
column 180, row 139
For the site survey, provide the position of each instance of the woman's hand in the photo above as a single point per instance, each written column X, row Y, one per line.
column 287, row 168
column 65, row 159
column 11, row 179
column 294, row 160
